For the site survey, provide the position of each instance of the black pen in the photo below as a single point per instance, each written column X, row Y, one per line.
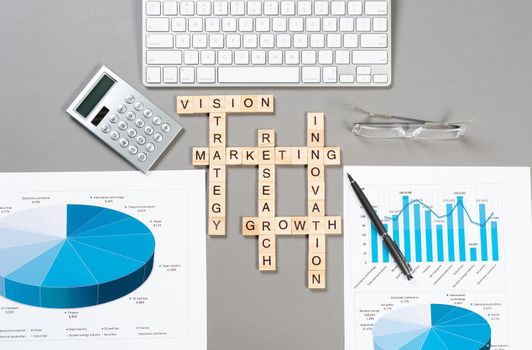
column 392, row 247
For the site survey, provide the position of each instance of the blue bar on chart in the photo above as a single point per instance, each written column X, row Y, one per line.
column 494, row 241
column 374, row 245
column 385, row 252
column 417, row 232
column 439, row 242
column 473, row 253
column 406, row 227
column 483, row 234
column 396, row 238
column 461, row 230
column 428, row 234
column 450, row 232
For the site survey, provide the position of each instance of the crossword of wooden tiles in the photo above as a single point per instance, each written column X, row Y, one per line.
column 266, row 155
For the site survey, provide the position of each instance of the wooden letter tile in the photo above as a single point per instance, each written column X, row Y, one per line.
column 300, row 225
column 316, row 244
column 299, row 155
column 248, row 103
column 217, row 139
column 217, row 207
column 266, row 190
column 233, row 156
column 316, row 261
column 250, row 226
column 265, row 104
column 316, row 226
column 217, row 173
column 267, row 262
column 315, row 155
column 283, row 225
column 250, row 155
column 267, row 226
column 216, row 227
column 283, row 155
column 267, row 207
column 217, row 103
column 266, row 138
column 185, row 105
column 316, row 207
column 266, row 155
column 316, row 190
column 316, row 279
column 315, row 121
column 217, row 155
column 333, row 225
column 232, row 104
column 200, row 156
column 266, row 173
column 315, row 172
column 332, row 155
column 267, row 243
column 217, row 122
column 315, row 138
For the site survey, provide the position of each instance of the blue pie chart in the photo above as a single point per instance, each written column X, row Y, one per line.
column 72, row 255
column 432, row 327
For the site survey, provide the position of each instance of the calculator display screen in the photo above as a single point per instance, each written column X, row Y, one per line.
column 95, row 95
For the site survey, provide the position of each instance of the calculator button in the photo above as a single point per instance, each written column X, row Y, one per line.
column 142, row 156
column 156, row 120
column 165, row 127
column 141, row 140
column 139, row 106
column 131, row 115
column 132, row 133
column 139, row 123
column 113, row 118
column 106, row 128
column 130, row 99
column 148, row 113
column 123, row 142
column 150, row 147
column 122, row 125
column 121, row 109
column 132, row 149
column 115, row 135
column 158, row 137
column 148, row 130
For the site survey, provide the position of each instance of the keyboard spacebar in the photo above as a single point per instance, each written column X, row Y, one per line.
column 258, row 74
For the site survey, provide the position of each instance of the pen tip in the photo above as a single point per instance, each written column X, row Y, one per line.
column 349, row 177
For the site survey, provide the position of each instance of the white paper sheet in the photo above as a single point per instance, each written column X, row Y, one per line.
column 167, row 311
column 469, row 237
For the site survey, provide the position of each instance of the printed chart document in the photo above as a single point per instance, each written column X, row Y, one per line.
column 466, row 231
column 107, row 260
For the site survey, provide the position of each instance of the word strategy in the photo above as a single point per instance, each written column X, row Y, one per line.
column 266, row 155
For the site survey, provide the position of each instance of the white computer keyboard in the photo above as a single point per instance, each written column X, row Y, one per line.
column 266, row 43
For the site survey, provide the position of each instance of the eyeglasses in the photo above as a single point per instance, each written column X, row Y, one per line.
column 407, row 128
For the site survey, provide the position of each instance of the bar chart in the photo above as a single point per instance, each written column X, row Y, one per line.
column 449, row 226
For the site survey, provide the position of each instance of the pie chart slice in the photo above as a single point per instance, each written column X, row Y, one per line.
column 73, row 255
column 432, row 327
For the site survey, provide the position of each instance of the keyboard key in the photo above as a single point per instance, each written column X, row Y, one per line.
column 363, row 70
column 363, row 78
column 212, row 24
column 159, row 41
column 283, row 40
column 308, row 57
column 279, row 24
column 250, row 41
column 317, row 40
column 380, row 78
column 334, row 40
column 291, row 57
column 205, row 74
column 199, row 41
column 347, row 24
column 191, row 57
column 373, row 40
column 163, row 57
column 288, row 8
column 321, row 8
column 245, row 24
column 203, row 8
column 300, row 40
column 380, row 24
column 329, row 24
column 225, row 57
column 258, row 74
column 262, row 24
column 354, row 7
column 275, row 57
column 342, row 57
column 325, row 57
column 254, row 8
column 195, row 24
column 237, row 8
column 179, row 24
column 170, row 74
column 157, row 25
column 220, row 8
column 329, row 75
column 216, row 41
column 153, row 74
column 229, row 24
column 350, row 40
column 304, row 8
column 376, row 7
column 241, row 57
column 363, row 24
column 186, row 74
column 271, row 8
column 258, row 57
column 338, row 8
column 312, row 24
column 266, row 40
column 232, row 41
column 370, row 57
column 310, row 74
column 182, row 40
column 153, row 8
column 186, row 8
column 208, row 57
column 295, row 24
column 347, row 78
column 170, row 8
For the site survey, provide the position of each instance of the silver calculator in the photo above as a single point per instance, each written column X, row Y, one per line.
column 124, row 119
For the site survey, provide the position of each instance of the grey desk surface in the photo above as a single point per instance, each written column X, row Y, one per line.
column 456, row 61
